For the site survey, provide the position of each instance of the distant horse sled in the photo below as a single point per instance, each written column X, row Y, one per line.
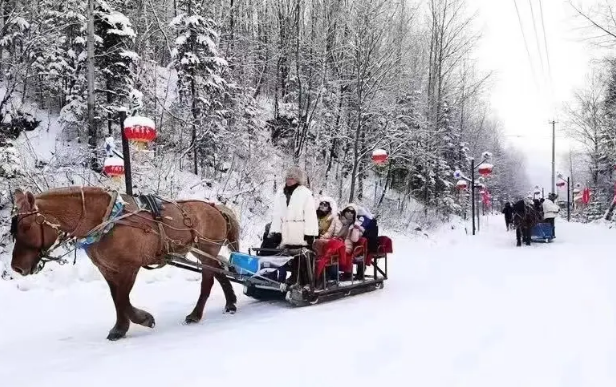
column 533, row 220
column 122, row 233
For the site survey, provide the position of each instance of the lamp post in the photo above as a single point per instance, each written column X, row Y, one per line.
column 128, row 177
column 485, row 169
column 139, row 130
column 561, row 183
column 536, row 192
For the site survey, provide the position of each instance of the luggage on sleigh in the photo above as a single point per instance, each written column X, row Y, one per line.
column 264, row 275
column 542, row 232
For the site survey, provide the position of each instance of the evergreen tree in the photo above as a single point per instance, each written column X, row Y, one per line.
column 199, row 67
column 115, row 59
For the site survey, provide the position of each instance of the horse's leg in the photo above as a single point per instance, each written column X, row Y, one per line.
column 120, row 285
column 207, row 281
column 227, row 288
column 518, row 236
column 135, row 315
column 527, row 234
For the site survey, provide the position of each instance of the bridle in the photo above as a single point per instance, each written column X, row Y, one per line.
column 64, row 239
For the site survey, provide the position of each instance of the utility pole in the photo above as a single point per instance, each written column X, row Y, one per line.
column 553, row 186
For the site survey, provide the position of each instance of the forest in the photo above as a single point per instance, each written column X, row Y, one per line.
column 239, row 90
column 590, row 116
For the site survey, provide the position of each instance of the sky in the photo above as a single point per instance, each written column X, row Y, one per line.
column 521, row 95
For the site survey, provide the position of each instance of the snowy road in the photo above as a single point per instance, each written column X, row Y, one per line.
column 457, row 311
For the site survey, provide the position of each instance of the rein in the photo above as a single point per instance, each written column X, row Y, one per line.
column 72, row 243
column 65, row 239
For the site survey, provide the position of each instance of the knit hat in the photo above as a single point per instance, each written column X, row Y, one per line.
column 297, row 174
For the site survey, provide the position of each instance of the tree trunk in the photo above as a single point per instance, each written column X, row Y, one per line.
column 194, row 128
column 92, row 130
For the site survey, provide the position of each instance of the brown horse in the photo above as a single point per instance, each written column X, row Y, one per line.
column 136, row 240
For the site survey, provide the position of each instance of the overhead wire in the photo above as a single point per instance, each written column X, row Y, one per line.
column 530, row 61
column 547, row 56
column 532, row 13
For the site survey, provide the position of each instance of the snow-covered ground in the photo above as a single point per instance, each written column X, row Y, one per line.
column 456, row 311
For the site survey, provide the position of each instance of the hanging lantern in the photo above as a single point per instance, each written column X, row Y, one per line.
column 560, row 184
column 114, row 168
column 461, row 184
column 485, row 197
column 379, row 156
column 139, row 130
column 586, row 196
column 485, row 169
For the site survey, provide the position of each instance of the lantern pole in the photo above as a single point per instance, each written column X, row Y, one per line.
column 473, row 192
column 474, row 206
column 568, row 199
column 126, row 155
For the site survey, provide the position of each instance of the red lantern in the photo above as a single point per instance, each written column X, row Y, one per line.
column 485, row 197
column 485, row 169
column 560, row 184
column 139, row 130
column 379, row 156
column 586, row 196
column 114, row 167
column 461, row 184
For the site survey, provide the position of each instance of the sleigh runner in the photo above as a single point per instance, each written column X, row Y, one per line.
column 263, row 277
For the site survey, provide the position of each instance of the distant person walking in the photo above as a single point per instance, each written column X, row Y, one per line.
column 508, row 211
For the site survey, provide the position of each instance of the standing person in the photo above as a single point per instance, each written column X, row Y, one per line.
column 550, row 211
column 508, row 211
column 295, row 219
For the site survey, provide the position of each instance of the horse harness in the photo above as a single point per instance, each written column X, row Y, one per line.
column 113, row 215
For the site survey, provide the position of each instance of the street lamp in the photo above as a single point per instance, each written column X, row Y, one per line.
column 485, row 169
column 561, row 183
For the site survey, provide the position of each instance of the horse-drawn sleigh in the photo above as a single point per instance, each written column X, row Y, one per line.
column 122, row 234
column 529, row 225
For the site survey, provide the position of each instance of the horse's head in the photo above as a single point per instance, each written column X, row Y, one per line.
column 33, row 235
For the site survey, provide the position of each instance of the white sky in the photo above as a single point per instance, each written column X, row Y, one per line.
column 525, row 108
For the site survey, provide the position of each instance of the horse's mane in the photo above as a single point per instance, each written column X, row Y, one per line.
column 73, row 190
column 520, row 207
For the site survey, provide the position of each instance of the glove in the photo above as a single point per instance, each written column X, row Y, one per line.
column 309, row 240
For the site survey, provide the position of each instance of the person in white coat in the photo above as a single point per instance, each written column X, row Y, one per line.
column 295, row 216
column 550, row 211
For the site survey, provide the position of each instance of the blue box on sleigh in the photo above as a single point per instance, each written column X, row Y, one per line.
column 542, row 231
column 245, row 264
column 251, row 265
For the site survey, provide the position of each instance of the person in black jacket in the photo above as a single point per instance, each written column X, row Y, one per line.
column 508, row 211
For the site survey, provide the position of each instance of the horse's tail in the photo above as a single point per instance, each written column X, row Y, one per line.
column 233, row 227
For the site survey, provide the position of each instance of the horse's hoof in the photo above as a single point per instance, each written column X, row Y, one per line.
column 145, row 319
column 115, row 335
column 231, row 309
column 149, row 321
column 190, row 319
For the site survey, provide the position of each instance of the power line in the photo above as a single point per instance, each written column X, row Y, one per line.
column 547, row 53
column 532, row 13
column 532, row 68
